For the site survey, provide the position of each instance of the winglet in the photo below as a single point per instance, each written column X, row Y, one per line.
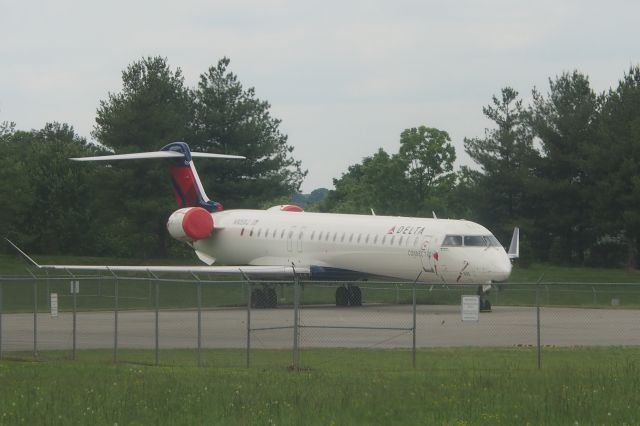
column 514, row 247
column 23, row 253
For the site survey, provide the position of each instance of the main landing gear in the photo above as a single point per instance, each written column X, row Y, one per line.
column 483, row 292
column 264, row 298
column 348, row 295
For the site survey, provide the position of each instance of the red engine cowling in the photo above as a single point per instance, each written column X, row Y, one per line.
column 190, row 224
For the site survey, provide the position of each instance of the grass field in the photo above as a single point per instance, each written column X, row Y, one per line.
column 599, row 386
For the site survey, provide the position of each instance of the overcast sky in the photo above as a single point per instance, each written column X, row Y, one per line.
column 345, row 77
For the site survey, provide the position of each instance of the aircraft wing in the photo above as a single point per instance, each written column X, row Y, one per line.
column 272, row 272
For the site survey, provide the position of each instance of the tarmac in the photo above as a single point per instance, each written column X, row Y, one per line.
column 383, row 326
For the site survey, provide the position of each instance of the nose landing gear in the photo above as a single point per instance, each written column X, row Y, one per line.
column 483, row 292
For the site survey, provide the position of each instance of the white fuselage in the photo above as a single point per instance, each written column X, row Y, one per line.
column 396, row 247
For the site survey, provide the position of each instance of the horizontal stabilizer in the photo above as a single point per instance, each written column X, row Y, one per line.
column 154, row 154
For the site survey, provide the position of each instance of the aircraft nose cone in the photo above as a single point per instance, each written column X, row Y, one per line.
column 502, row 270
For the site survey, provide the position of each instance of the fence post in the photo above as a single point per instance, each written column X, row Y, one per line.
column 249, row 290
column 157, row 315
column 75, row 301
column 413, row 349
column 539, row 354
column 296, row 335
column 199, row 324
column 35, row 314
column 1, row 282
column 157, row 322
column 115, row 318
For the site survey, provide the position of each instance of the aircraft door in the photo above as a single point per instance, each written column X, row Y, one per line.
column 300, row 238
column 428, row 254
column 291, row 234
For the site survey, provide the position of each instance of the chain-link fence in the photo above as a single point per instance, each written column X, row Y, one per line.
column 231, row 323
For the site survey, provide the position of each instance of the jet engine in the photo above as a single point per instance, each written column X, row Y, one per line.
column 190, row 224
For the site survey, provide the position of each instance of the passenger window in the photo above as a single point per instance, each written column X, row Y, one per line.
column 342, row 238
column 415, row 242
column 282, row 234
column 242, row 232
column 452, row 241
column 259, row 232
column 392, row 239
column 274, row 233
column 384, row 239
column 400, row 241
column 359, row 237
column 351, row 238
column 251, row 232
column 313, row 234
column 366, row 240
column 326, row 237
column 320, row 236
column 375, row 239
column 474, row 241
column 335, row 235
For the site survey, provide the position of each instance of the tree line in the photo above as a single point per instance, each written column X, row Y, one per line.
column 562, row 167
column 51, row 205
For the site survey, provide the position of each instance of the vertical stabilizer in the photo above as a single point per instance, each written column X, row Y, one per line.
column 187, row 186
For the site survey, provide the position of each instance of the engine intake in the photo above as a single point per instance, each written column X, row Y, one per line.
column 190, row 224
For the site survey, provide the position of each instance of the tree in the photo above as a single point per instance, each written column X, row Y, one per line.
column 613, row 166
column 231, row 120
column 378, row 183
column 154, row 108
column 428, row 157
column 564, row 122
column 506, row 157
column 49, row 203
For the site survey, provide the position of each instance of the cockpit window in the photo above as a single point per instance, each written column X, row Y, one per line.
column 474, row 241
column 452, row 241
column 493, row 241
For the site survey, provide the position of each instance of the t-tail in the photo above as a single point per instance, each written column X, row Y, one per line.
column 186, row 183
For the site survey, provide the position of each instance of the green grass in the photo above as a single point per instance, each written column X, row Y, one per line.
column 461, row 386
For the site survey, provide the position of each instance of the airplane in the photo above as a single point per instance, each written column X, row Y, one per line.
column 285, row 241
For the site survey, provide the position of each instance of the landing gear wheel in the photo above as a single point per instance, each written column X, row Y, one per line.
column 342, row 296
column 355, row 296
column 485, row 305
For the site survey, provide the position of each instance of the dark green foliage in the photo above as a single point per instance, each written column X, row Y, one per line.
column 377, row 183
column 231, row 120
column 414, row 182
column 154, row 108
column 47, row 202
column 614, row 163
column 564, row 121
column 506, row 157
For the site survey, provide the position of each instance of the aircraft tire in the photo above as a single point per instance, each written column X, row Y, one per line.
column 485, row 306
column 342, row 296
